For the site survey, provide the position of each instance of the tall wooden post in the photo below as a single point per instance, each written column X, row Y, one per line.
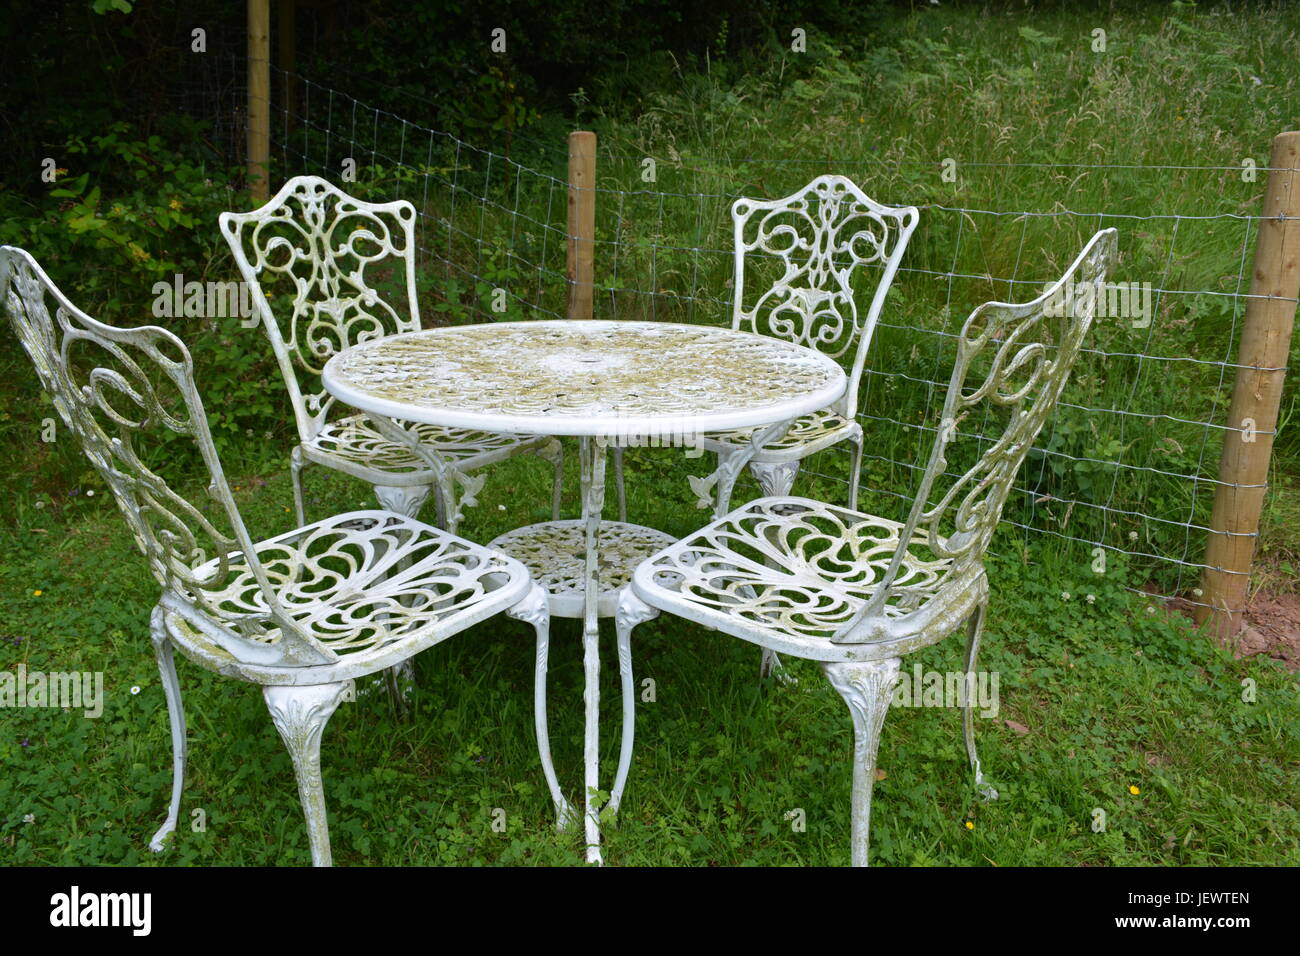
column 259, row 96
column 582, row 223
column 1256, row 396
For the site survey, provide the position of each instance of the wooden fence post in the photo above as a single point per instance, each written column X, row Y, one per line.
column 1256, row 396
column 582, row 223
column 259, row 97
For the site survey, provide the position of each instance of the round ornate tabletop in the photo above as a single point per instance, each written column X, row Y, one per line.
column 584, row 378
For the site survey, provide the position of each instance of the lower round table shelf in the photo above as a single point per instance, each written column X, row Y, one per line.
column 556, row 554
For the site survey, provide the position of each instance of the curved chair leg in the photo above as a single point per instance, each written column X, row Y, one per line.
column 729, row 471
column 618, row 482
column 440, row 511
column 723, row 478
column 296, row 464
column 855, row 470
column 176, row 713
column 533, row 609
column 866, row 687
column 974, row 629
column 448, row 506
column 631, row 611
column 553, row 451
column 300, row 715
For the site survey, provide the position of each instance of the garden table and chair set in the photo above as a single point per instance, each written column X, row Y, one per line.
column 418, row 412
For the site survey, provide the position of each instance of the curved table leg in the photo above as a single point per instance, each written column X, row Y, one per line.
column 631, row 612
column 533, row 608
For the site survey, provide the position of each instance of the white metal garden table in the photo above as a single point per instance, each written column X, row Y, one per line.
column 606, row 383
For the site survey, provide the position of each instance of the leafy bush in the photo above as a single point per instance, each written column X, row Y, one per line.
column 130, row 212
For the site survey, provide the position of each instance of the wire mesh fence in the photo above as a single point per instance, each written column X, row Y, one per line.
column 1128, row 463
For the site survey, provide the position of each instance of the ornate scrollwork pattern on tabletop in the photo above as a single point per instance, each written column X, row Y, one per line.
column 558, row 370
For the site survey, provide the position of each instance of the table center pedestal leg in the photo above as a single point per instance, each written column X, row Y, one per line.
column 591, row 456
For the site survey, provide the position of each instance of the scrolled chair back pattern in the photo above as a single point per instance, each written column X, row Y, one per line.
column 811, row 245
column 1030, row 348
column 316, row 245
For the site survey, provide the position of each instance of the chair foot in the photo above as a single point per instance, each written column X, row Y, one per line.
column 300, row 715
column 533, row 608
column 771, row 666
column 867, row 687
column 974, row 630
column 400, row 681
column 176, row 714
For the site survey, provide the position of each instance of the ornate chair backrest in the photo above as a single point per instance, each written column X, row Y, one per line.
column 318, row 252
column 1029, row 349
column 122, row 393
column 795, row 260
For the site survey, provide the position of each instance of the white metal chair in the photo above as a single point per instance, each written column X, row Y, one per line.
column 302, row 614
column 854, row 591
column 795, row 260
column 322, row 250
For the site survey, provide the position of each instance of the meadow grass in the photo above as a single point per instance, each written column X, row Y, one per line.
column 1104, row 695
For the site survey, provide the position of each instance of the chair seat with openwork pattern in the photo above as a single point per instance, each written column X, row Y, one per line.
column 355, row 441
column 807, row 434
column 789, row 573
column 360, row 585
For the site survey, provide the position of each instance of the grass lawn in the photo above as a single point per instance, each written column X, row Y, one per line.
column 1096, row 698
